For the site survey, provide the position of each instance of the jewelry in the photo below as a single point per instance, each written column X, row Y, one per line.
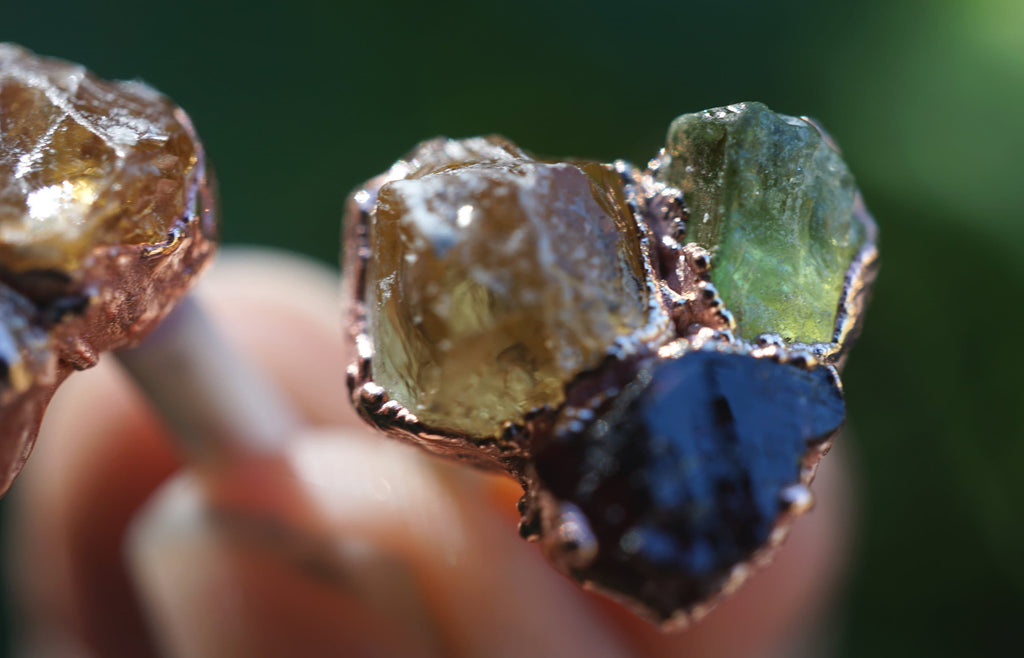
column 653, row 353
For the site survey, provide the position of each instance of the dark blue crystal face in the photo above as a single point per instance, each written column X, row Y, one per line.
column 680, row 476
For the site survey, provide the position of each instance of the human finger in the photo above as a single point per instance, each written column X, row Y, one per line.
column 500, row 594
column 102, row 452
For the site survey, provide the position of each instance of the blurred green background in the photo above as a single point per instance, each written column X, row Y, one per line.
column 300, row 101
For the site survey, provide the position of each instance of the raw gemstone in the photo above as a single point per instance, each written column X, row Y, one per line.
column 84, row 162
column 681, row 476
column 496, row 278
column 773, row 201
column 106, row 217
column 26, row 359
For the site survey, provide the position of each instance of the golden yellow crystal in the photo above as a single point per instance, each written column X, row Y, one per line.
column 496, row 279
column 84, row 162
column 105, row 218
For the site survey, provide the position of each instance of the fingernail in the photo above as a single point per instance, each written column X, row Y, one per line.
column 225, row 582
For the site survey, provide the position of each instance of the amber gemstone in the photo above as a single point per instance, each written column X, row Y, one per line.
column 496, row 279
column 105, row 218
column 84, row 162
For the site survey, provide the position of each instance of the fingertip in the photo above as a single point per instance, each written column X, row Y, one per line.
column 284, row 312
column 100, row 454
column 490, row 592
column 224, row 582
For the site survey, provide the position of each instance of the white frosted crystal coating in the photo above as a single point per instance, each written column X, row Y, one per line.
column 497, row 279
column 83, row 162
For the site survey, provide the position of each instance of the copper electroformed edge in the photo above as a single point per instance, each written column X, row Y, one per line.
column 125, row 290
column 506, row 453
column 698, row 319
column 698, row 314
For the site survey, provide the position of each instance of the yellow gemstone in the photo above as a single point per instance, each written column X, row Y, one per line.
column 497, row 278
column 84, row 162
column 106, row 216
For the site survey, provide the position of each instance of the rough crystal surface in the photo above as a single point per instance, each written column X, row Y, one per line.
column 106, row 216
column 773, row 201
column 496, row 278
column 662, row 458
column 680, row 476
column 84, row 162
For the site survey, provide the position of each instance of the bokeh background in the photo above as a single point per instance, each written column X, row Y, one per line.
column 300, row 101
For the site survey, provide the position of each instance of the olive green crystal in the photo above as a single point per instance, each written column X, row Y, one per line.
column 770, row 197
column 497, row 278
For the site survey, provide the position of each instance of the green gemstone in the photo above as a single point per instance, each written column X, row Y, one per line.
column 773, row 201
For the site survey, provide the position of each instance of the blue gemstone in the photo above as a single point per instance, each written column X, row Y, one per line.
column 680, row 476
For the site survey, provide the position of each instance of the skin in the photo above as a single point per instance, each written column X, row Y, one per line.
column 344, row 543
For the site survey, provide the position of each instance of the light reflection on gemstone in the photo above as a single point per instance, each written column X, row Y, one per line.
column 464, row 217
column 75, row 153
column 483, row 283
column 105, row 216
column 61, row 207
column 654, row 356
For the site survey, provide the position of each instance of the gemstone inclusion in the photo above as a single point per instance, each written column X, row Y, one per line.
column 496, row 279
column 773, row 201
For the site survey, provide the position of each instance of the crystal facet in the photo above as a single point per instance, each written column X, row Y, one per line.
column 653, row 354
column 84, row 162
column 497, row 279
column 773, row 201
column 105, row 217
column 681, row 477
